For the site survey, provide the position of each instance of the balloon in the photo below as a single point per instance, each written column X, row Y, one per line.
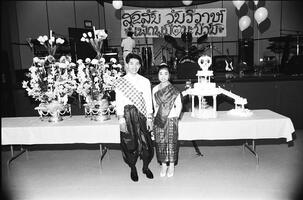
column 261, row 14
column 117, row 4
column 238, row 4
column 244, row 22
column 187, row 3
column 256, row 3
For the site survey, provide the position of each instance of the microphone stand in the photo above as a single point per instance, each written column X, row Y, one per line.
column 298, row 34
column 146, row 55
column 211, row 49
column 298, row 41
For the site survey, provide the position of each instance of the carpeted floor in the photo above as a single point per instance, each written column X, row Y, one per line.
column 226, row 171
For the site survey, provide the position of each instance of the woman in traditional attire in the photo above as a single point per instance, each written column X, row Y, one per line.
column 167, row 105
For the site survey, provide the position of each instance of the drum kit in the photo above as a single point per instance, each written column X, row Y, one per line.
column 187, row 52
column 293, row 43
column 190, row 53
column 286, row 47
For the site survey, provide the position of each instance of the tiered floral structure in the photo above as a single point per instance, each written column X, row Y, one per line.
column 96, row 78
column 51, row 81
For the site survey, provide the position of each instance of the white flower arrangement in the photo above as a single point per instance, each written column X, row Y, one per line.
column 50, row 43
column 95, row 38
column 51, row 80
column 96, row 78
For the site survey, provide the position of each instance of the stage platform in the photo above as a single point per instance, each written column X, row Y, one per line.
column 230, row 77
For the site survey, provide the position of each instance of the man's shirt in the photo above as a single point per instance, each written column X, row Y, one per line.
column 128, row 44
column 143, row 85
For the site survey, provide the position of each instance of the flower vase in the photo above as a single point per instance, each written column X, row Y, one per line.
column 55, row 116
column 97, row 110
column 99, row 55
column 102, row 117
column 53, row 111
column 104, row 114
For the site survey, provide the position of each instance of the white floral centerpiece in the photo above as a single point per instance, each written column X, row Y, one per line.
column 51, row 81
column 50, row 43
column 96, row 79
column 95, row 39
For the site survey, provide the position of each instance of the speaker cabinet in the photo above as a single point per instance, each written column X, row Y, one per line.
column 187, row 70
column 246, row 52
column 294, row 65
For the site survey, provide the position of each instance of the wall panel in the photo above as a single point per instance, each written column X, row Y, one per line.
column 32, row 22
column 113, row 24
column 87, row 10
column 292, row 16
column 61, row 16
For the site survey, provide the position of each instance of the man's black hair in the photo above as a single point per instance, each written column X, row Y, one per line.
column 130, row 34
column 135, row 56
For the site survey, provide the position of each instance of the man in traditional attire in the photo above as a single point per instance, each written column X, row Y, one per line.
column 134, row 110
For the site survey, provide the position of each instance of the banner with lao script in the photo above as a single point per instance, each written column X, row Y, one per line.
column 159, row 22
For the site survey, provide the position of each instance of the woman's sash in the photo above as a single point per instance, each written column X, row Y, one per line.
column 165, row 98
column 132, row 93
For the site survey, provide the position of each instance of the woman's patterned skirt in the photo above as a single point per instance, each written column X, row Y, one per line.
column 166, row 140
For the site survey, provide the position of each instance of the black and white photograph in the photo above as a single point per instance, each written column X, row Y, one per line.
column 123, row 99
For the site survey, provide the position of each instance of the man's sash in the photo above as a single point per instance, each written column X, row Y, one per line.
column 131, row 92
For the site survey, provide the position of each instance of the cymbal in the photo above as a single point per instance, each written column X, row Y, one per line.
column 172, row 41
column 201, row 39
column 201, row 50
column 169, row 39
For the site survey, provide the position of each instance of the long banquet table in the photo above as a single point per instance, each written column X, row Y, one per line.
column 263, row 124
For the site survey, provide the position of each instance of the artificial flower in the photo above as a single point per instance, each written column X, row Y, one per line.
column 95, row 40
column 51, row 80
column 50, row 43
column 95, row 78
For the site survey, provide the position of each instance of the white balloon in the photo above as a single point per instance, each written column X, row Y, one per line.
column 261, row 14
column 256, row 3
column 117, row 4
column 244, row 22
column 238, row 4
column 187, row 3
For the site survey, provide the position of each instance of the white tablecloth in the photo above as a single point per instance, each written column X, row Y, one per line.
column 263, row 124
column 78, row 129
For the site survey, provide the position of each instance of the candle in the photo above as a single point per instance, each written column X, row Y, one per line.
column 50, row 34
column 94, row 31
